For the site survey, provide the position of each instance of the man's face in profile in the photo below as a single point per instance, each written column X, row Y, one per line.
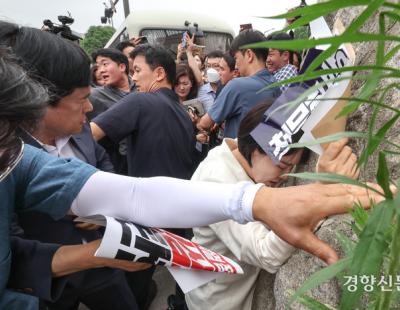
column 68, row 116
column 144, row 77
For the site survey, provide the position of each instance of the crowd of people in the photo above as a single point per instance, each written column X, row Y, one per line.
column 113, row 133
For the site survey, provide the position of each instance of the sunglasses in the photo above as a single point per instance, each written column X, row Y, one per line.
column 9, row 158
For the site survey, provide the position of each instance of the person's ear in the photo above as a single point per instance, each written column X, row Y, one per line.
column 249, row 55
column 122, row 67
column 160, row 74
column 285, row 56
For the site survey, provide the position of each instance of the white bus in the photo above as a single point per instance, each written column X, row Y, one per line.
column 166, row 28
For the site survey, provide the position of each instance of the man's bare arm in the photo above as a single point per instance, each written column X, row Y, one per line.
column 191, row 61
column 73, row 258
column 205, row 123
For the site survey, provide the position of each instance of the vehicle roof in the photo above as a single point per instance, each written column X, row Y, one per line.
column 164, row 19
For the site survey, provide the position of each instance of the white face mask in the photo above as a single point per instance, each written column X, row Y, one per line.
column 212, row 75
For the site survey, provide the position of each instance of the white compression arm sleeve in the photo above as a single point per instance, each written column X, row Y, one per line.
column 165, row 202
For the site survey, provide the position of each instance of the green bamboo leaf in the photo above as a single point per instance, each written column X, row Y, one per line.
column 389, row 152
column 391, row 15
column 322, row 8
column 391, row 5
column 310, row 76
column 372, row 83
column 383, row 176
column 349, row 108
column 397, row 200
column 377, row 139
column 351, row 30
column 360, row 216
column 360, row 100
column 340, row 135
column 302, row 97
column 332, row 178
column 316, row 74
column 383, row 91
column 347, row 244
column 313, row 304
column 331, row 138
column 364, row 155
column 386, row 298
column 302, row 21
column 321, row 276
column 391, row 53
column 368, row 257
column 310, row 43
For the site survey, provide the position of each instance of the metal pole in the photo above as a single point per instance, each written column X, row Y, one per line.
column 126, row 8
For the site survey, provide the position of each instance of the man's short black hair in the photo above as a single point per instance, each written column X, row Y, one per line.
column 57, row 63
column 123, row 45
column 279, row 36
column 229, row 60
column 114, row 54
column 246, row 143
column 247, row 37
column 282, row 36
column 215, row 54
column 157, row 56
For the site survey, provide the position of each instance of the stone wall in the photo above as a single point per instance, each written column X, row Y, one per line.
column 301, row 265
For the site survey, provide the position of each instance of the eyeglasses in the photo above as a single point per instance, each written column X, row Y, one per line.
column 10, row 158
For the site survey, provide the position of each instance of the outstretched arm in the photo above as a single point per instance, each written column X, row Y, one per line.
column 191, row 61
column 291, row 212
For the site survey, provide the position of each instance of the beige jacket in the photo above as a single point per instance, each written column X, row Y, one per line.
column 252, row 245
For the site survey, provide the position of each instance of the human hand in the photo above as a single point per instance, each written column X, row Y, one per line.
column 116, row 263
column 135, row 40
column 179, row 52
column 124, row 264
column 339, row 158
column 214, row 128
column 193, row 115
column 293, row 212
column 73, row 258
column 202, row 137
column 189, row 43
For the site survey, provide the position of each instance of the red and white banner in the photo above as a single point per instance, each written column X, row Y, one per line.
column 128, row 241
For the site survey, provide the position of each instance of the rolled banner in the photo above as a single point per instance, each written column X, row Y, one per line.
column 132, row 242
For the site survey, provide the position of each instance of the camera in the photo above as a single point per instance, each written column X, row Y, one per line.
column 196, row 31
column 194, row 106
column 63, row 30
column 65, row 19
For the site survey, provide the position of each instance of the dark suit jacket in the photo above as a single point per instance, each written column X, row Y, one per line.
column 93, row 153
column 36, row 237
column 64, row 231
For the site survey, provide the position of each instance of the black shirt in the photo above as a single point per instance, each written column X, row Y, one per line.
column 161, row 140
column 102, row 98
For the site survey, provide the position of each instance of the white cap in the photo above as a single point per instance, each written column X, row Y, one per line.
column 212, row 75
